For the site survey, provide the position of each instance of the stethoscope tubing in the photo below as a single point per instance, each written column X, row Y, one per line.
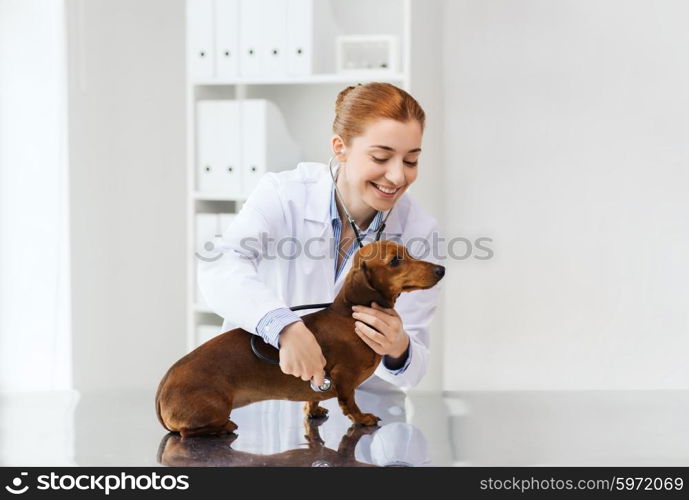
column 327, row 382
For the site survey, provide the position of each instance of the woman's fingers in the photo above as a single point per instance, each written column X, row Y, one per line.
column 306, row 371
column 373, row 318
column 371, row 337
column 384, row 317
column 300, row 354
column 319, row 378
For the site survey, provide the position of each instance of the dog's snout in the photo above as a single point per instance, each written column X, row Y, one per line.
column 440, row 271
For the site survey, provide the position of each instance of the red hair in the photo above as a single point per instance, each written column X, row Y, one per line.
column 357, row 106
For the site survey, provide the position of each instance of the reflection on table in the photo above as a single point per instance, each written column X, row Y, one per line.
column 276, row 433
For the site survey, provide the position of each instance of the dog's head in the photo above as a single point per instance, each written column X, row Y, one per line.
column 383, row 269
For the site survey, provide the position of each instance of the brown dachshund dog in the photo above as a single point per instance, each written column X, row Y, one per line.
column 197, row 394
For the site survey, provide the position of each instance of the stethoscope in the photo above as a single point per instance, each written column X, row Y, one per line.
column 327, row 382
column 355, row 228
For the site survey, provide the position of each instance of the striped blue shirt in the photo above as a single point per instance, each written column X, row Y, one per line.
column 273, row 322
column 337, row 230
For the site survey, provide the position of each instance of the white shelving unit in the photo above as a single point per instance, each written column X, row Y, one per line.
column 322, row 78
column 305, row 101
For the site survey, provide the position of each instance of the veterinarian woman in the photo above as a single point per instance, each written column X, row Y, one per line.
column 292, row 244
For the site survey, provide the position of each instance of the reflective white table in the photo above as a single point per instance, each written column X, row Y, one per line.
column 419, row 429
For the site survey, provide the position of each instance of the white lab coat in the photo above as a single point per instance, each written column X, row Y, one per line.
column 249, row 280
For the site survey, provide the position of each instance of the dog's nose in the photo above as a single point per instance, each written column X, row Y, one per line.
column 440, row 271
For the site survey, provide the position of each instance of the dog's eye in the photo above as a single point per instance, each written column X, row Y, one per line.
column 394, row 262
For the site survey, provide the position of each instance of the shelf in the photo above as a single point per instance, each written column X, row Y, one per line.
column 215, row 197
column 202, row 309
column 369, row 76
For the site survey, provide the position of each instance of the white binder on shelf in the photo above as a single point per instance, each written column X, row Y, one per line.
column 206, row 131
column 310, row 37
column 266, row 142
column 200, row 51
column 218, row 149
column 227, row 39
column 251, row 37
column 275, row 41
column 299, row 37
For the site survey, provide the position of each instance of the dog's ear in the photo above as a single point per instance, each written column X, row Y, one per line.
column 358, row 288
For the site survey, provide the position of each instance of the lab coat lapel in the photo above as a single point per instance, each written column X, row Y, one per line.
column 317, row 203
column 317, row 214
column 318, row 225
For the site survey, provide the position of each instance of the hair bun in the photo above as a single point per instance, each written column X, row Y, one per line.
column 341, row 96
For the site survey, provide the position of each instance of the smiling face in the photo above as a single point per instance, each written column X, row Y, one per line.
column 379, row 165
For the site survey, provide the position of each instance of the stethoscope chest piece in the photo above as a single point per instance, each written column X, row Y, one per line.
column 327, row 383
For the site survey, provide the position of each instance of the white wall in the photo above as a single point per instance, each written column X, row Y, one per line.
column 426, row 85
column 566, row 142
column 35, row 343
column 127, row 150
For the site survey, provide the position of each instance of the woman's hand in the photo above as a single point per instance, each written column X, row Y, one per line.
column 381, row 329
column 300, row 353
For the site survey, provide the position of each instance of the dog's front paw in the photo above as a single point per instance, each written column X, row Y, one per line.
column 366, row 419
column 318, row 412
